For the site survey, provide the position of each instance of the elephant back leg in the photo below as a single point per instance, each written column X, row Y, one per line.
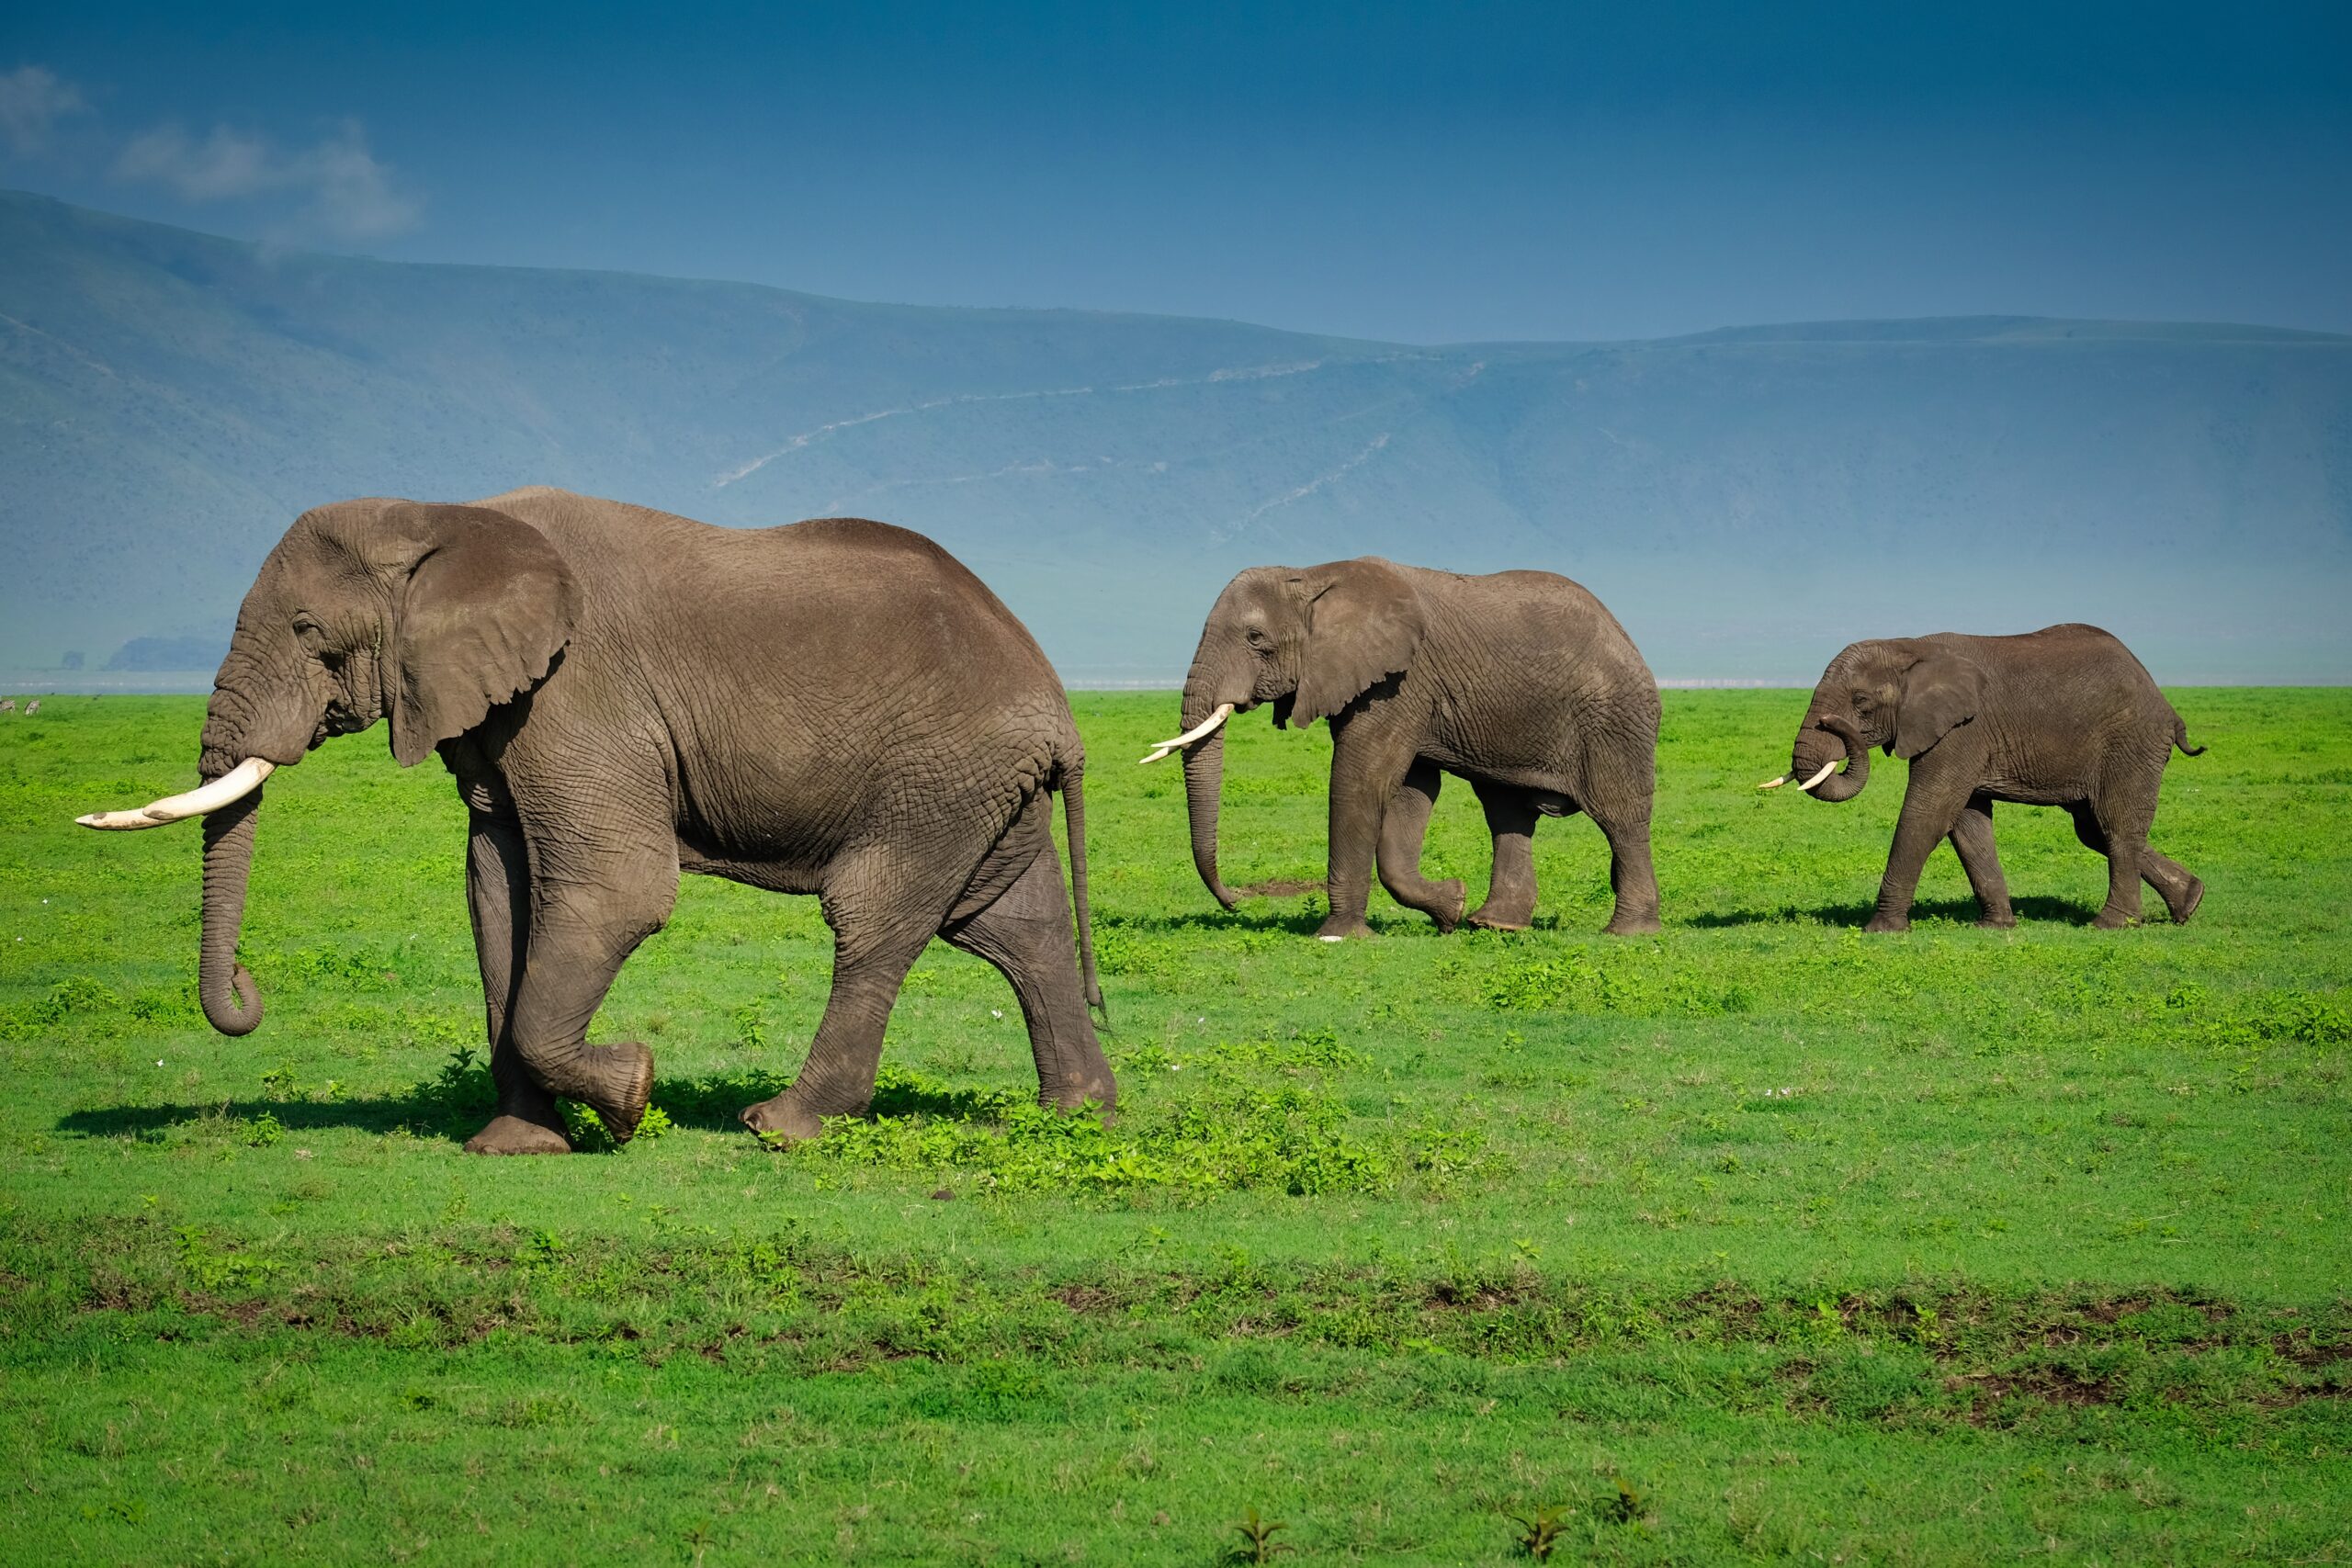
column 1620, row 785
column 1016, row 915
column 1511, row 815
column 2117, row 829
column 1972, row 840
column 2175, row 883
column 884, row 902
column 1404, row 829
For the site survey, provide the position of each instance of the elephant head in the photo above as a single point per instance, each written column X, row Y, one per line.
column 425, row 615
column 1901, row 696
column 1310, row 641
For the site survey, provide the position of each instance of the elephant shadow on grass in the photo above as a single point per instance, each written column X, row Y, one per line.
column 2032, row 908
column 1299, row 922
column 454, row 1104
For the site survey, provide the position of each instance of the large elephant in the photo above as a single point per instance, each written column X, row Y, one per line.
column 2062, row 716
column 835, row 707
column 1520, row 682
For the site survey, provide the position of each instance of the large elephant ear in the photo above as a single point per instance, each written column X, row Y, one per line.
column 1363, row 621
column 1940, row 693
column 484, row 608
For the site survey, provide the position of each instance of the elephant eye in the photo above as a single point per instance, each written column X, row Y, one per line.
column 312, row 638
column 1259, row 641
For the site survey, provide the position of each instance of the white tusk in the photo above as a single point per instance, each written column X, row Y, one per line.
column 1774, row 783
column 1826, row 769
column 1224, row 711
column 234, row 786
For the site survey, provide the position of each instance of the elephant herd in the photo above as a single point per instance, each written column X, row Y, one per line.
column 838, row 707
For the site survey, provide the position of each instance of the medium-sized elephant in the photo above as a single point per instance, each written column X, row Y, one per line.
column 2062, row 716
column 835, row 707
column 1520, row 682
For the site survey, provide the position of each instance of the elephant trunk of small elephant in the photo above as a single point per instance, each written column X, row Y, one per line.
column 1840, row 787
column 231, row 1001
column 1204, row 787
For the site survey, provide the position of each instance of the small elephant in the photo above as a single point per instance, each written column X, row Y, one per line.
column 835, row 707
column 2062, row 716
column 1520, row 682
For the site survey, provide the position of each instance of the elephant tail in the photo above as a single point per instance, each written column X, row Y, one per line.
column 1073, row 785
column 2180, row 737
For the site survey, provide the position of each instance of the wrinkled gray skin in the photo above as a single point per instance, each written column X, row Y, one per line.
column 1520, row 682
column 2062, row 716
column 835, row 707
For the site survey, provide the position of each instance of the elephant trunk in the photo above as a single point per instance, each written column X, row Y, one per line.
column 1842, row 787
column 1203, row 788
column 231, row 1001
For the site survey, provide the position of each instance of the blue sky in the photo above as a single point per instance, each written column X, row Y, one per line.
column 1423, row 172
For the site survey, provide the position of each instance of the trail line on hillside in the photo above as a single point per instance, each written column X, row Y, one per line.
column 1215, row 378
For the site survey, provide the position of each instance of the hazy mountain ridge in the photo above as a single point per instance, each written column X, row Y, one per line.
column 170, row 400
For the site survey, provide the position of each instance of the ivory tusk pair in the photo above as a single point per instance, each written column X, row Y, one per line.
column 230, row 787
column 1200, row 731
column 1826, row 769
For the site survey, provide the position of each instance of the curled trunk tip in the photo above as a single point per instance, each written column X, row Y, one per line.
column 1840, row 787
column 225, row 987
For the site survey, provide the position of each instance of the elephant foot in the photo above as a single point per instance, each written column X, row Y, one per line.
column 1486, row 922
column 1623, row 924
column 517, row 1135
column 2002, row 921
column 1340, row 928
column 2189, row 900
column 2113, row 920
column 781, row 1121
column 1887, row 923
column 1452, row 900
column 626, row 1088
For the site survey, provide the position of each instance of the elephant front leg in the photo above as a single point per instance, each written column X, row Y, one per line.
column 1404, row 829
column 498, row 893
column 1928, row 816
column 586, row 918
column 1366, row 771
column 1972, row 840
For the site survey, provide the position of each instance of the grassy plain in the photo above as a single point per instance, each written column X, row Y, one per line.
column 1762, row 1239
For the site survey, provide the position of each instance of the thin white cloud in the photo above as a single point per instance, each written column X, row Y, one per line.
column 32, row 100
column 341, row 187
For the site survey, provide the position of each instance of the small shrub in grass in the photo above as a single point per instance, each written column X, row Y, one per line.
column 586, row 1129
column 2298, row 1017
column 1258, row 1543
column 1540, row 1530
column 1284, row 1139
column 81, row 1000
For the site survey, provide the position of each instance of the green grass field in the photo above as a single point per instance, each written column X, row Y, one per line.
column 1759, row 1240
